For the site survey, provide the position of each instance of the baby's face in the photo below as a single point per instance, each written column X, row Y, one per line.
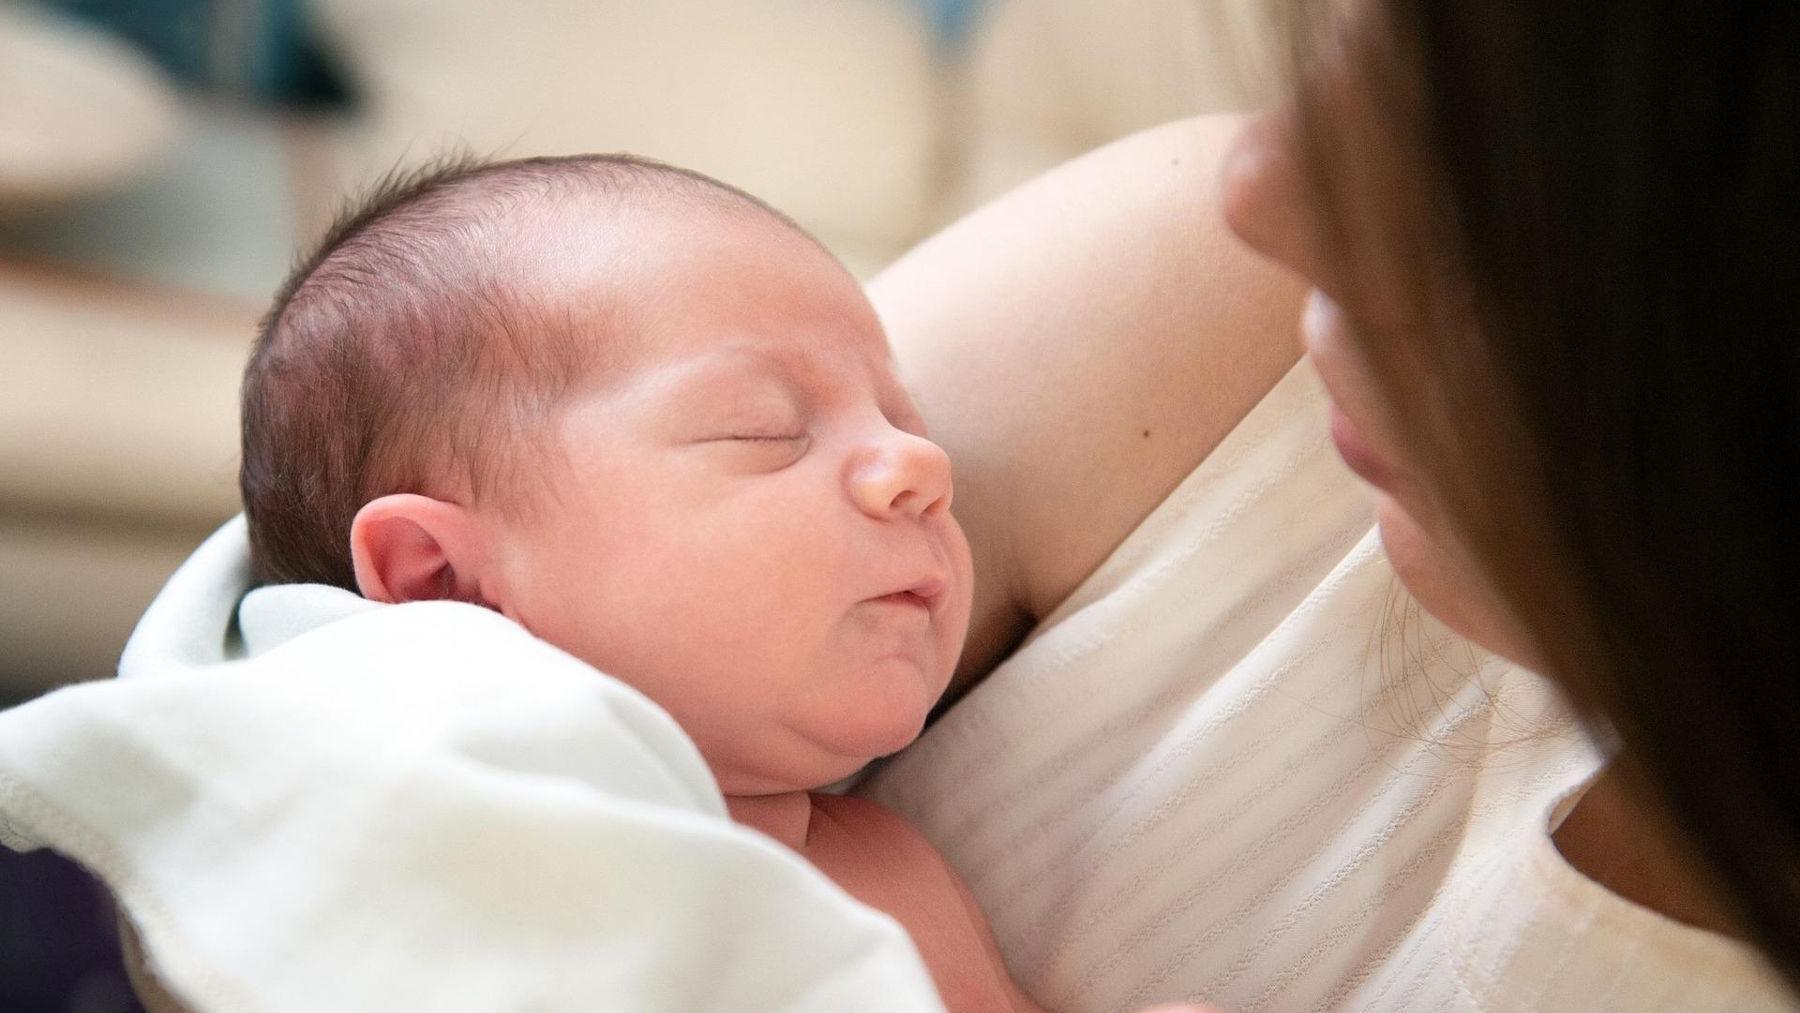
column 746, row 520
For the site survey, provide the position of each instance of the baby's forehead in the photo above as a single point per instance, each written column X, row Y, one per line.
column 593, row 219
column 708, row 295
column 735, row 362
column 751, row 295
column 624, row 259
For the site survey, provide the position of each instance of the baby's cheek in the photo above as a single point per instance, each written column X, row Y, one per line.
column 956, row 615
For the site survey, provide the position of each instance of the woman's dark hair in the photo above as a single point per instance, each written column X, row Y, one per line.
column 1595, row 207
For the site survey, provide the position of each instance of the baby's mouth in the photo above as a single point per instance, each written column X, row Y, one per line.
column 908, row 597
column 921, row 593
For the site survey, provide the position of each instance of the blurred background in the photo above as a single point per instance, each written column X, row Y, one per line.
column 163, row 161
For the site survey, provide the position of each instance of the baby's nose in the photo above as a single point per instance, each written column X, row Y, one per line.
column 901, row 475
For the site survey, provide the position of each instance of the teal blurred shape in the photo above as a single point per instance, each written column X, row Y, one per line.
column 952, row 18
column 258, row 49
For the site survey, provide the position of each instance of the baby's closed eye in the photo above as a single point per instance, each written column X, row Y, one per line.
column 765, row 437
column 760, row 449
column 770, row 418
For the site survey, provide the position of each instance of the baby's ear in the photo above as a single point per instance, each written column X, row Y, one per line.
column 407, row 547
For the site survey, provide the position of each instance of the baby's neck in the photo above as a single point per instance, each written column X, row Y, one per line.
column 786, row 817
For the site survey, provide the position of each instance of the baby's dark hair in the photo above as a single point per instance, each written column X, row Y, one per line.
column 404, row 355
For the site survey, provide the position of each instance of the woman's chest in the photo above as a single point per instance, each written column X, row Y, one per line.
column 1259, row 821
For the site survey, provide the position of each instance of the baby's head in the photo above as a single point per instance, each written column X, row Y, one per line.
column 643, row 415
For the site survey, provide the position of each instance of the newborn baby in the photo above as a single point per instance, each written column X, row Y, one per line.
column 656, row 424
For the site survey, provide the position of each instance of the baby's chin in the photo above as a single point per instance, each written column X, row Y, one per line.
column 872, row 732
column 818, row 760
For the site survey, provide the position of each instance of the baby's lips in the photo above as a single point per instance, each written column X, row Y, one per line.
column 928, row 588
column 924, row 591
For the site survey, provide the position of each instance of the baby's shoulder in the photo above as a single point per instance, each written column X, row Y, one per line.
column 857, row 815
column 882, row 860
column 847, row 823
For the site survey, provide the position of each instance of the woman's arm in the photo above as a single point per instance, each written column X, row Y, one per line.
column 1078, row 346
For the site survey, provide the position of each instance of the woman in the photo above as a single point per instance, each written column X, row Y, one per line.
column 1552, row 300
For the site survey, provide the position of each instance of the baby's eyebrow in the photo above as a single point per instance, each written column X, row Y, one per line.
column 783, row 363
column 734, row 365
column 803, row 378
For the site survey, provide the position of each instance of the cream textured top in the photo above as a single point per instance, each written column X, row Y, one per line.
column 1240, row 765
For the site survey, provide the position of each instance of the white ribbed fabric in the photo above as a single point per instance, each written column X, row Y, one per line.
column 1240, row 765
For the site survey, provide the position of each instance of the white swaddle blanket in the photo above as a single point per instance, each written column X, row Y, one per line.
column 1222, row 770
column 418, row 807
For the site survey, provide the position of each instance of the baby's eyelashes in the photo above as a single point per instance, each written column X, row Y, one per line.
column 765, row 438
column 759, row 451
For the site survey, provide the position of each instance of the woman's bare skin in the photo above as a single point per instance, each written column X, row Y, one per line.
column 1078, row 347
